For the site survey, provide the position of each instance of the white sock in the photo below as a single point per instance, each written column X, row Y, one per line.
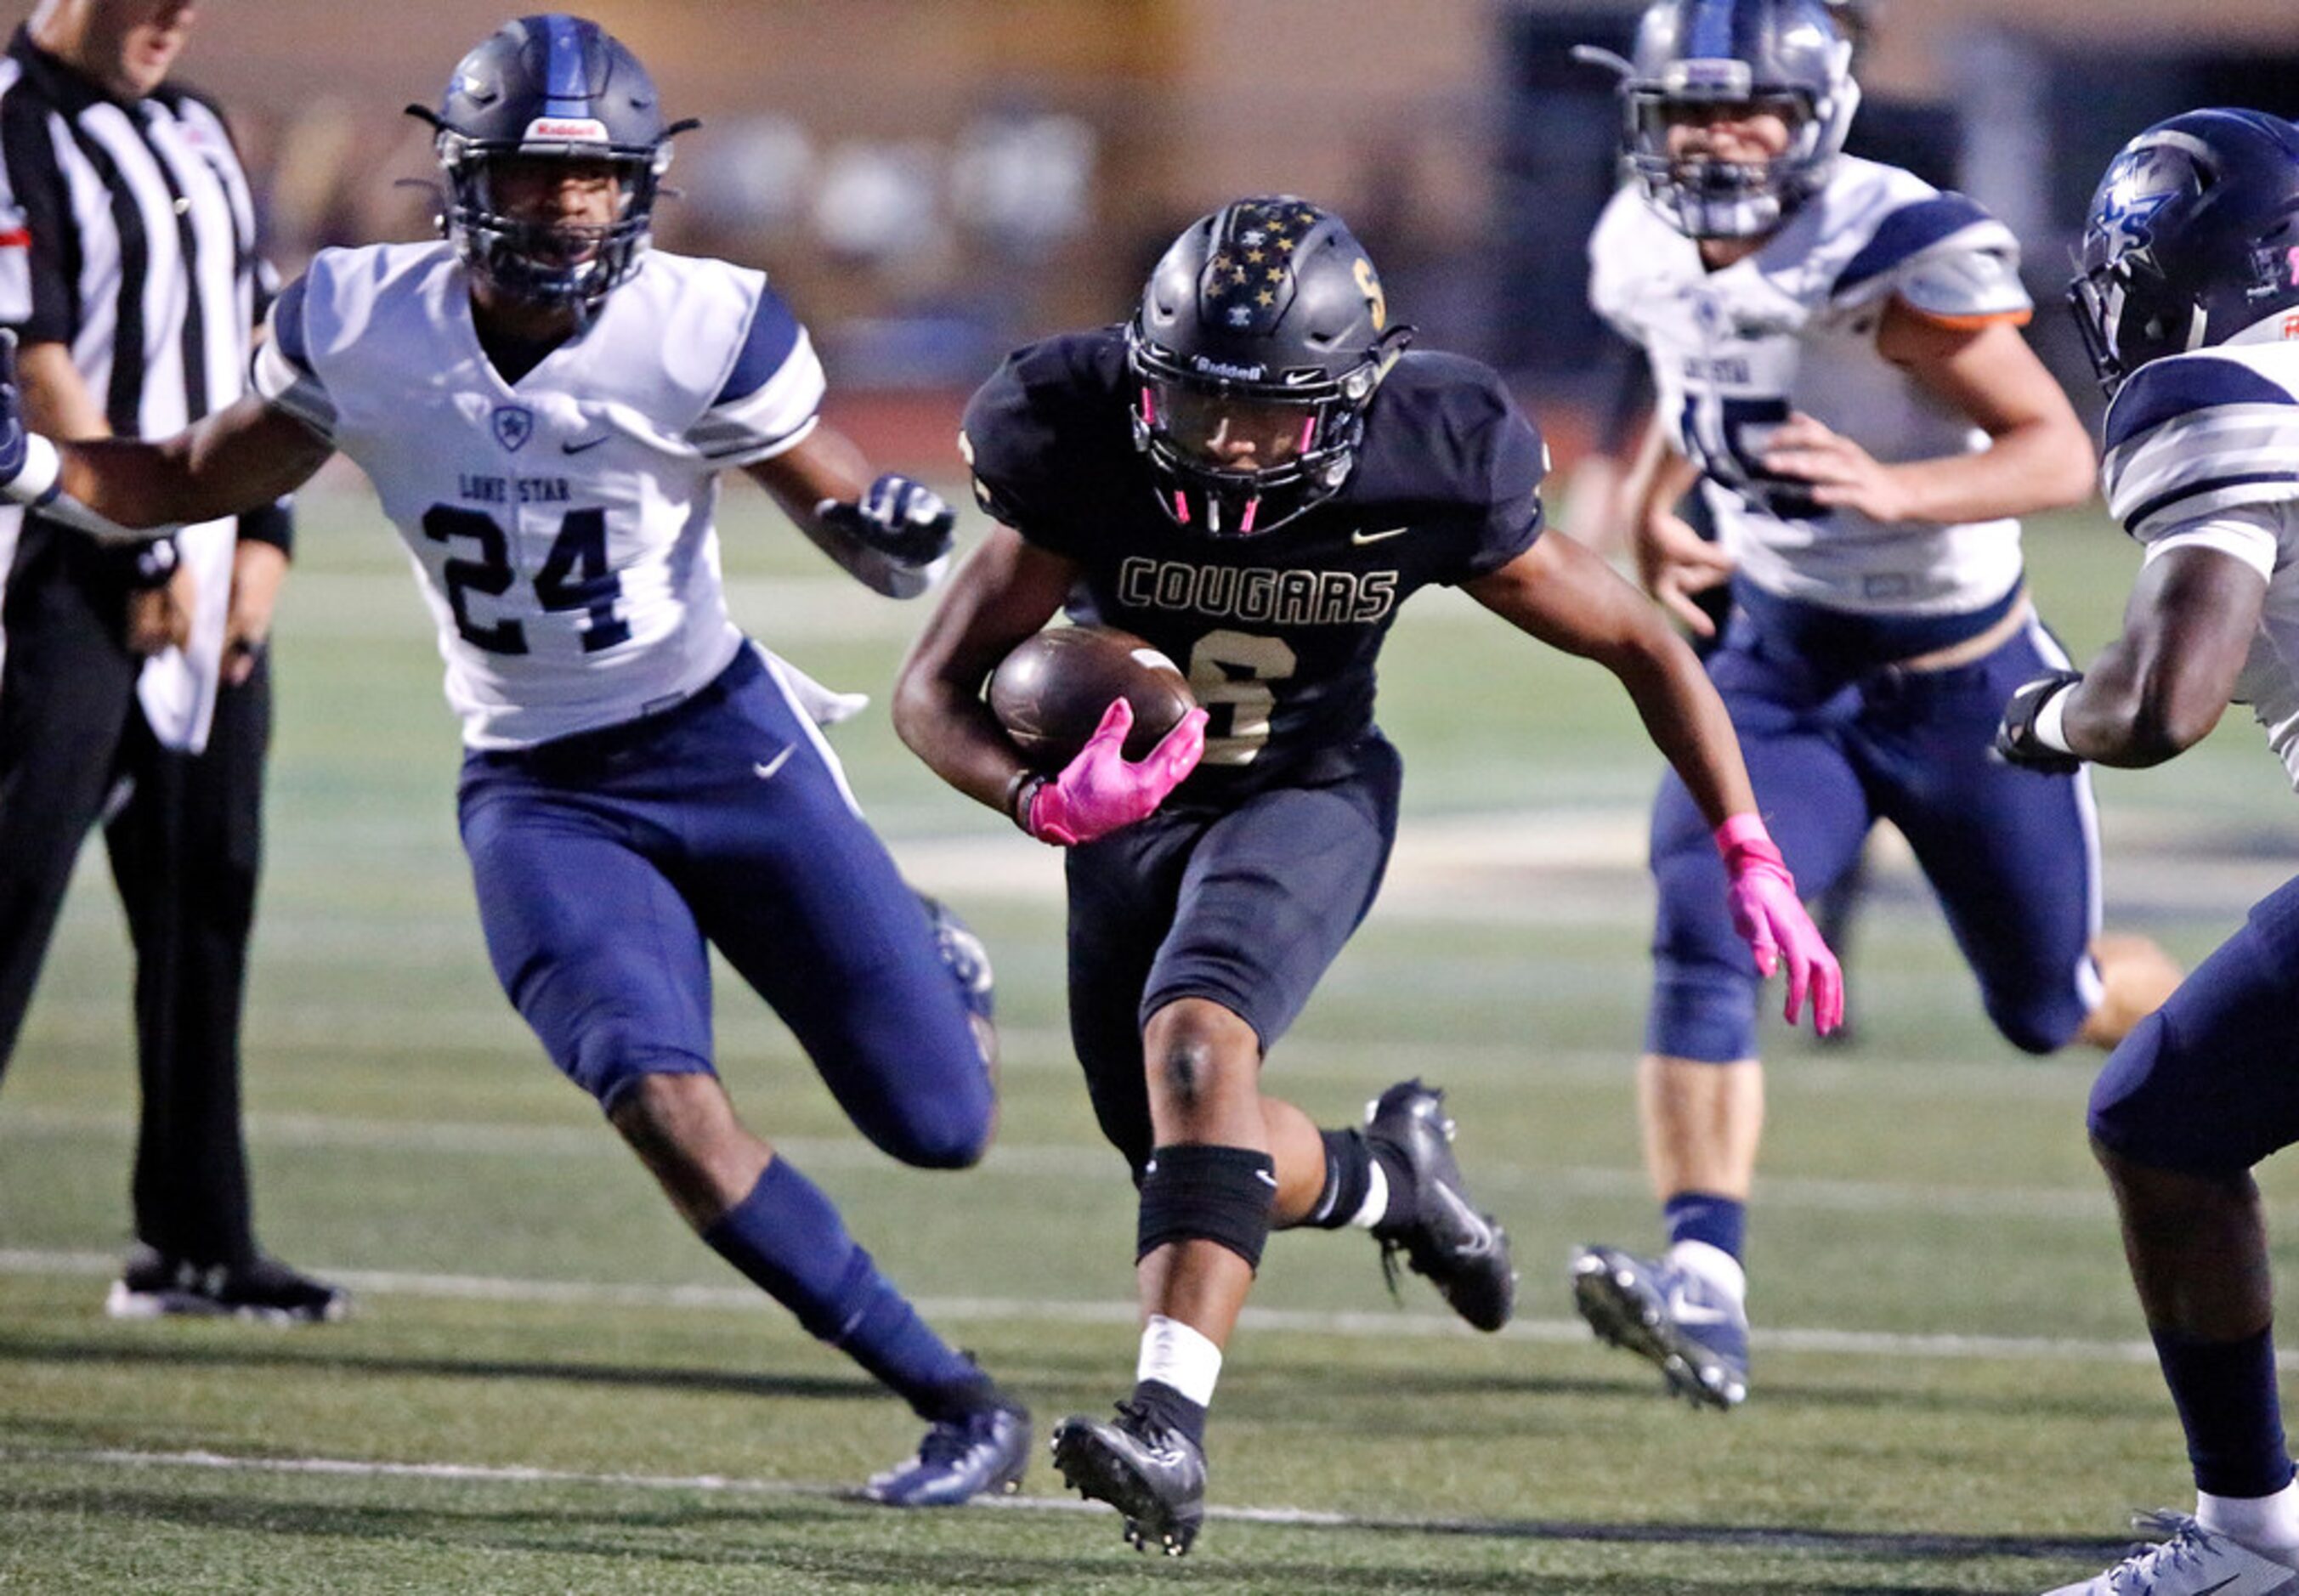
column 1174, row 1354
column 1713, row 1264
column 2267, row 1524
column 1376, row 1207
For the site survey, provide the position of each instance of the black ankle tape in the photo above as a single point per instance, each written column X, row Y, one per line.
column 1218, row 1195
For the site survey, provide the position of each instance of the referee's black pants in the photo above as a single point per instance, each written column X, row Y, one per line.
column 185, row 849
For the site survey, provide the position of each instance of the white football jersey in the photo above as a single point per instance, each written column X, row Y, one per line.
column 561, row 525
column 2202, row 450
column 1792, row 329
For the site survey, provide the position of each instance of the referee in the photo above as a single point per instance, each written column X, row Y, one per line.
column 133, row 686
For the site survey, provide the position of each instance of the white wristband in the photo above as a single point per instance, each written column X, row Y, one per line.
column 2049, row 726
column 38, row 480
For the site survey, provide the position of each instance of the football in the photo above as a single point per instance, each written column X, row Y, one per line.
column 1050, row 692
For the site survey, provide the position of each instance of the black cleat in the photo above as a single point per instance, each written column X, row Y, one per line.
column 1154, row 1475
column 1463, row 1252
column 959, row 1459
column 265, row 1290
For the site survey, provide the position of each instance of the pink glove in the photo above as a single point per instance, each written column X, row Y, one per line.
column 1098, row 792
column 1771, row 919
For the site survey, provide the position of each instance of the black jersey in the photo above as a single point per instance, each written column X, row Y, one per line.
column 1278, row 632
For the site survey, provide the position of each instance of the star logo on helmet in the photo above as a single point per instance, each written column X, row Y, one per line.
column 2122, row 220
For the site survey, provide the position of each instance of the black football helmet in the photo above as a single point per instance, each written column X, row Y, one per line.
column 1258, row 343
column 1782, row 55
column 2192, row 238
column 550, row 86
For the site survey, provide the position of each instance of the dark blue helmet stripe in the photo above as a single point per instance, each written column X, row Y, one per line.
column 566, row 85
column 1712, row 34
column 1907, row 231
column 2156, row 394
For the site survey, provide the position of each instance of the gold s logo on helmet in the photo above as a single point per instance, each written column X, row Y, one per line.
column 1370, row 285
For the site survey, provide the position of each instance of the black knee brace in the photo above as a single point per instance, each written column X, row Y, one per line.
column 1219, row 1194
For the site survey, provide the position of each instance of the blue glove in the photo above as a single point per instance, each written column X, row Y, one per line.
column 905, row 520
column 2016, row 742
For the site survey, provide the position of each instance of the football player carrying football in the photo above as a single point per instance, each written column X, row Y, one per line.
column 1836, row 350
column 1253, row 474
column 2189, row 300
column 545, row 408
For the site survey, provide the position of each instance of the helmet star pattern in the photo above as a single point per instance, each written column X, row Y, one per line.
column 1248, row 281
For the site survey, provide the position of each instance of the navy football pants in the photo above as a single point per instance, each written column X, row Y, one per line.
column 2209, row 1083
column 605, row 861
column 2013, row 854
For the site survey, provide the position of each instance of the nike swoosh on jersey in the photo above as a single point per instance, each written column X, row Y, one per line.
column 576, row 445
column 766, row 771
column 1362, row 539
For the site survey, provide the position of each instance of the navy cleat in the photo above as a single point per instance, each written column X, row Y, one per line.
column 960, row 1458
column 1694, row 1333
column 1155, row 1475
column 263, row 1290
column 1463, row 1252
column 2193, row 1561
column 969, row 963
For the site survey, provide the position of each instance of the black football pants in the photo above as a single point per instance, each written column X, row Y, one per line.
column 184, row 851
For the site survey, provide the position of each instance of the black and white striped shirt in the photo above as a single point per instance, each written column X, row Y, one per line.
column 127, row 235
column 127, row 232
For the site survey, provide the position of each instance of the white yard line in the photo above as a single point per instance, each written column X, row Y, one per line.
column 1055, row 1161
column 1745, row 1538
column 1862, row 1343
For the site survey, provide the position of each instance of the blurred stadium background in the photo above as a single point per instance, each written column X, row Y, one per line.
column 549, row 1387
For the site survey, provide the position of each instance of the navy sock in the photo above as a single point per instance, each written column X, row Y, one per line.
column 1348, row 1176
column 1171, row 1409
column 1722, row 1222
column 2225, row 1392
column 789, row 1240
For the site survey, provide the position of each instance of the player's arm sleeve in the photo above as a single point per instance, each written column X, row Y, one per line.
column 2193, row 436
column 2251, row 533
column 285, row 371
column 1944, row 258
column 1505, row 458
column 771, row 396
column 1005, row 440
column 1611, row 248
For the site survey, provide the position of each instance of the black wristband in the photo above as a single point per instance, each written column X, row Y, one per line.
column 1021, row 792
column 273, row 523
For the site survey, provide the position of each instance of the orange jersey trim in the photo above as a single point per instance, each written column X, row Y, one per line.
column 1952, row 323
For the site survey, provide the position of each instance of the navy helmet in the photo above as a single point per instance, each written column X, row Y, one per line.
column 550, row 86
column 1784, row 55
column 2192, row 238
column 1257, row 346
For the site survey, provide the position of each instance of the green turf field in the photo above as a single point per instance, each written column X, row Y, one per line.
column 550, row 1386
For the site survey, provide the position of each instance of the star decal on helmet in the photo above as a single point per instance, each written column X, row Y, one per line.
column 2123, row 220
